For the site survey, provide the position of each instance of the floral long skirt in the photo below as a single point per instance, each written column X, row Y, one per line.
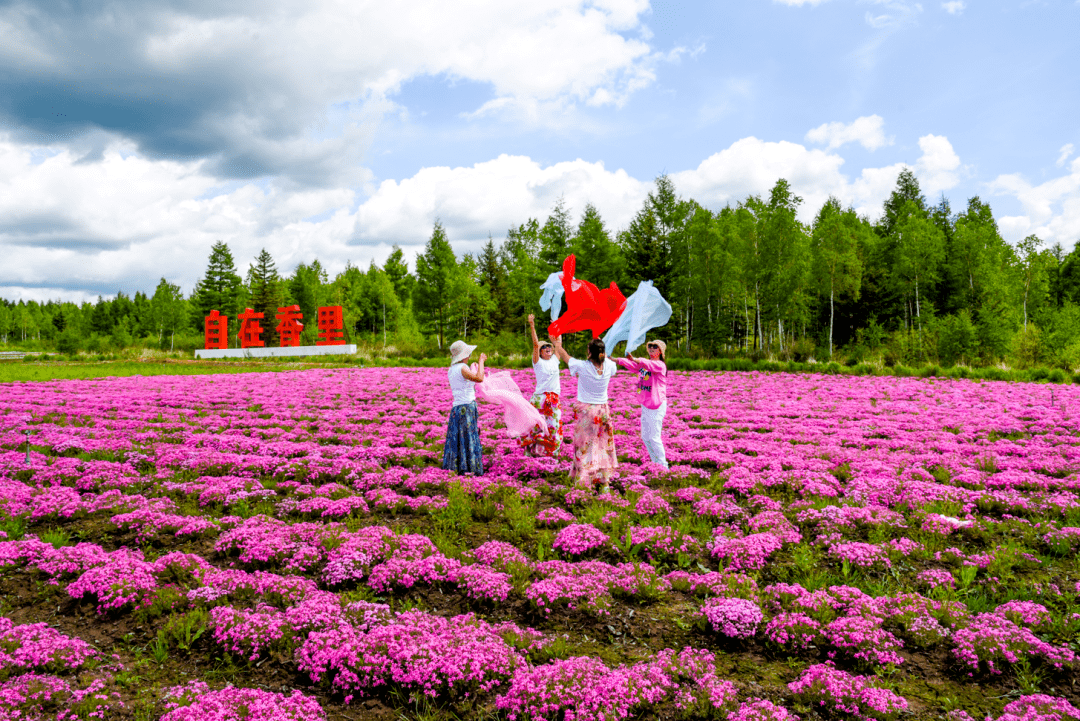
column 594, row 442
column 462, row 452
column 547, row 439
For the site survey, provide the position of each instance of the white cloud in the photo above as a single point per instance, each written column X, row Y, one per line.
column 868, row 131
column 491, row 197
column 212, row 79
column 125, row 221
column 752, row 167
column 1066, row 150
column 1051, row 209
column 954, row 7
column 939, row 166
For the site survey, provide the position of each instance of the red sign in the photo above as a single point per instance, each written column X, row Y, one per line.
column 250, row 330
column 216, row 330
column 331, row 326
column 289, row 325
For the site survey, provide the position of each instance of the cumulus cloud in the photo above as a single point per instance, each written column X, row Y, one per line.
column 939, row 166
column 123, row 222
column 1051, row 209
column 491, row 197
column 210, row 80
column 954, row 7
column 868, row 131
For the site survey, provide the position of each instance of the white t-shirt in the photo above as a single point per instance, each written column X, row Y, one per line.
column 547, row 376
column 592, row 385
column 464, row 390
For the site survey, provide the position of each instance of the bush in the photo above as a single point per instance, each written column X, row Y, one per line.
column 956, row 339
column 1027, row 346
column 801, row 350
column 854, row 355
column 69, row 342
column 929, row 371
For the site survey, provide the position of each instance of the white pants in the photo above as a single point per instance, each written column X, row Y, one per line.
column 652, row 425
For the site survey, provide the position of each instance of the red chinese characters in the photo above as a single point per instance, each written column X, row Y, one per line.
column 289, row 325
column 250, row 330
column 331, row 326
column 216, row 330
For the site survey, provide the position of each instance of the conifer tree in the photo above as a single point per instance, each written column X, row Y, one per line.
column 436, row 275
column 219, row 289
column 267, row 294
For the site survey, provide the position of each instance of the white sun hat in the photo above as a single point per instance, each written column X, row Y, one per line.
column 460, row 350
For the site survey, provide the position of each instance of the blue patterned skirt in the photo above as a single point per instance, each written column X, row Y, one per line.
column 462, row 450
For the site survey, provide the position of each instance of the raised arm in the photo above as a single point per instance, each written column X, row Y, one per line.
column 477, row 377
column 559, row 350
column 535, row 342
column 629, row 362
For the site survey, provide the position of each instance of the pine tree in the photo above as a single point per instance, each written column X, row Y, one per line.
column 436, row 275
column 398, row 271
column 598, row 258
column 555, row 237
column 267, row 294
column 492, row 276
column 219, row 289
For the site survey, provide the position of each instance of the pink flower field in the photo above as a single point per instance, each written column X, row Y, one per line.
column 270, row 546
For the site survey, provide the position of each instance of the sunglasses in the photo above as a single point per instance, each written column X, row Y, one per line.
column 653, row 346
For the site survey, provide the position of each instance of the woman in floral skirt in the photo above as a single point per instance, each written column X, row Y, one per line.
column 594, row 435
column 462, row 451
column 547, row 439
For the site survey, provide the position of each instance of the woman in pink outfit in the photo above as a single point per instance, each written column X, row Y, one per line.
column 652, row 386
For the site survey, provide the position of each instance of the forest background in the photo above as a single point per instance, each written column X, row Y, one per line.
column 921, row 284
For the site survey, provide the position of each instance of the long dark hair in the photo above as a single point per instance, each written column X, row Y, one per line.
column 596, row 350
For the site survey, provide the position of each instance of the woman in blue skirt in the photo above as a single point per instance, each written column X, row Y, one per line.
column 462, row 450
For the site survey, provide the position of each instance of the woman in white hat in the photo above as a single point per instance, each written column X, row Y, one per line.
column 594, row 434
column 547, row 439
column 652, row 387
column 461, row 452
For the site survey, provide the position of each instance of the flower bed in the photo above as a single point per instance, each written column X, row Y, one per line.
column 258, row 529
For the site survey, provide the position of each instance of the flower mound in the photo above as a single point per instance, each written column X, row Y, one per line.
column 416, row 651
column 839, row 692
column 584, row 689
column 1039, row 707
column 733, row 617
column 196, row 702
column 579, row 538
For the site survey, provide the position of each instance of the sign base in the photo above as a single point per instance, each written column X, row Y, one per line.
column 286, row 352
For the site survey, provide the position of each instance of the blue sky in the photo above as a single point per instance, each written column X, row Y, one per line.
column 134, row 135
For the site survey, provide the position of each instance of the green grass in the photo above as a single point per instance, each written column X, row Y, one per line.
column 14, row 371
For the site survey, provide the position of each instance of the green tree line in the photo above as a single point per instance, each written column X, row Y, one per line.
column 921, row 283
